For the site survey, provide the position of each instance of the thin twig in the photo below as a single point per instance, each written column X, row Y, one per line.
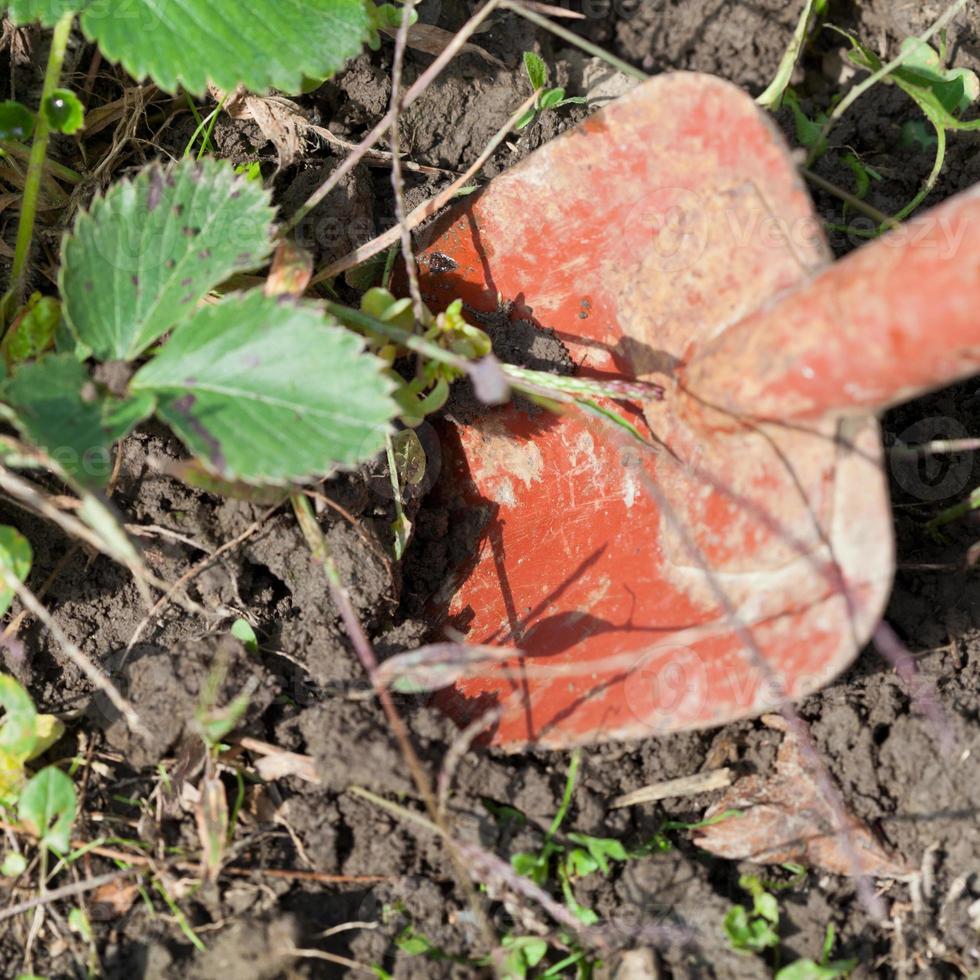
column 369, row 661
column 418, row 87
column 191, row 574
column 66, row 891
column 529, row 13
column 408, row 256
column 74, row 654
column 319, row 954
column 879, row 217
column 885, row 70
column 33, row 499
column 460, row 746
column 427, row 208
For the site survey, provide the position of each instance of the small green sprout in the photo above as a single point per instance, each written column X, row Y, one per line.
column 16, row 121
column 548, row 98
column 242, row 631
column 756, row 930
column 63, row 111
column 942, row 94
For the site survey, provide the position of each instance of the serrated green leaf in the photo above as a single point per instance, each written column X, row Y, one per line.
column 145, row 254
column 64, row 111
column 61, row 410
column 537, row 70
column 16, row 121
column 270, row 391
column 262, row 44
column 47, row 807
column 46, row 11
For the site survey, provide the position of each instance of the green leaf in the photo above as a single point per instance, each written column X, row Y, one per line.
column 16, row 121
column 580, row 863
column 14, row 864
column 78, row 922
column 808, row 970
column 808, row 132
column 18, row 731
column 64, row 111
column 526, row 118
column 46, row 11
column 601, row 849
column 145, row 254
column 242, row 631
column 59, row 408
column 414, row 943
column 47, row 807
column 215, row 723
column 16, row 557
column 537, row 70
column 33, row 330
column 551, row 98
column 942, row 94
column 529, row 865
column 262, row 44
column 270, row 391
column 748, row 934
column 916, row 133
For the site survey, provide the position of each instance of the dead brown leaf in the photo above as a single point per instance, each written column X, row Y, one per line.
column 784, row 816
column 279, row 119
column 212, row 825
column 434, row 40
column 112, row 900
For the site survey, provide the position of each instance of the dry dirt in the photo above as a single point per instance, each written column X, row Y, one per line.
column 306, row 684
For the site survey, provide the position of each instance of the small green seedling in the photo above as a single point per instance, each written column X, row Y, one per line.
column 547, row 98
column 825, row 969
column 809, row 132
column 64, row 111
column 756, row 930
column 45, row 803
column 385, row 17
column 942, row 94
column 242, row 631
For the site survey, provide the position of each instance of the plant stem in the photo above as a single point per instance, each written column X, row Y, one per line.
column 35, row 167
column 415, row 90
column 885, row 70
column 574, row 39
column 369, row 661
column 773, row 95
column 20, row 152
column 427, row 208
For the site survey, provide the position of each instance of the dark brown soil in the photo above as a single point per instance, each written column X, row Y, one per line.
column 307, row 689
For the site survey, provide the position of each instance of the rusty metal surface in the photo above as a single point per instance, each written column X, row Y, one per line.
column 654, row 590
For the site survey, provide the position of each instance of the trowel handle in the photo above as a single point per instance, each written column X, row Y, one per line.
column 892, row 320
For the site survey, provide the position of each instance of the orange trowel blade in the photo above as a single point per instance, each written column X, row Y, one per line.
column 651, row 590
